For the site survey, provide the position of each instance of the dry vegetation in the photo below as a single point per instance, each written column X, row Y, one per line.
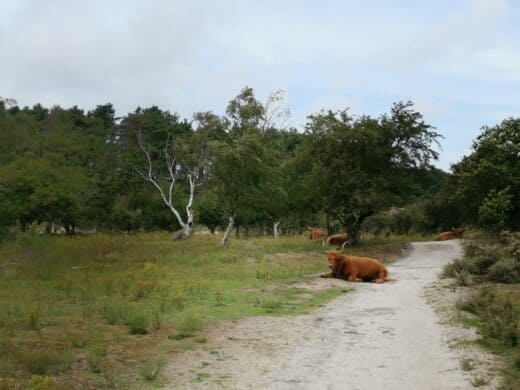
column 106, row 311
column 492, row 265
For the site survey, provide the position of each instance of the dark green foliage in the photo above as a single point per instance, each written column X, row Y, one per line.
column 494, row 211
column 361, row 166
column 488, row 180
column 492, row 259
column 44, row 361
column 137, row 324
column 78, row 170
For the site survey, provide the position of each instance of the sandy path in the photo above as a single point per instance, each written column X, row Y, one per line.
column 379, row 336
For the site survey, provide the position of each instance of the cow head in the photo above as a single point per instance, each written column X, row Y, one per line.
column 334, row 257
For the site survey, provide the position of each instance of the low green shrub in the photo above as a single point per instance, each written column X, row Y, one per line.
column 500, row 319
column 190, row 322
column 114, row 313
column 38, row 382
column 45, row 361
column 495, row 260
column 137, row 324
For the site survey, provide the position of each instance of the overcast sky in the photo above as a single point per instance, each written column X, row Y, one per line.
column 459, row 61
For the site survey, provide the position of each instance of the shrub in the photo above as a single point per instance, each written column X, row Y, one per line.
column 143, row 288
column 462, row 277
column 493, row 259
column 114, row 313
column 190, row 322
column 493, row 213
column 38, row 382
column 500, row 318
column 138, row 324
column 506, row 270
column 151, row 370
column 43, row 361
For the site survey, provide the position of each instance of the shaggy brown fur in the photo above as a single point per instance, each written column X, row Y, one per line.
column 457, row 233
column 317, row 233
column 337, row 239
column 356, row 269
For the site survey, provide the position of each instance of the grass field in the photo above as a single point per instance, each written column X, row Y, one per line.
column 107, row 310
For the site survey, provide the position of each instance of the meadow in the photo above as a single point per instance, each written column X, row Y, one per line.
column 106, row 311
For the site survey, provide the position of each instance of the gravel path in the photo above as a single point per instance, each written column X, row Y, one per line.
column 381, row 336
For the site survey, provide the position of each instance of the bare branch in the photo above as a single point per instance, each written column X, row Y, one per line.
column 149, row 177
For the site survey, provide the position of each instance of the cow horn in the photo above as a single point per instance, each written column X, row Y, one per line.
column 309, row 228
column 452, row 228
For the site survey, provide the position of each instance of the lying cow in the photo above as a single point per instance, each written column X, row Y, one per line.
column 316, row 233
column 337, row 239
column 355, row 269
column 456, row 233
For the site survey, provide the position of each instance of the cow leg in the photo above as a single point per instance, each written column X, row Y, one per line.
column 381, row 277
column 353, row 278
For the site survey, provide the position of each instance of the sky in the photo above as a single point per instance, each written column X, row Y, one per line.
column 458, row 61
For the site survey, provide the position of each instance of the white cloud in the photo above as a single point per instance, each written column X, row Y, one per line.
column 449, row 57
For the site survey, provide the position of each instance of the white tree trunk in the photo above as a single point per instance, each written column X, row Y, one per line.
column 275, row 229
column 227, row 233
column 171, row 163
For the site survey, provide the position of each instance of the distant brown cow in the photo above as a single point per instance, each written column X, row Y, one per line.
column 456, row 233
column 316, row 233
column 355, row 269
column 337, row 239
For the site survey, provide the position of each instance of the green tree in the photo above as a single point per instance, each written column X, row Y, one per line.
column 363, row 165
column 494, row 211
column 158, row 149
column 491, row 169
column 39, row 192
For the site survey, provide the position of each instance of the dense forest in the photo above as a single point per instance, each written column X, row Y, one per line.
column 247, row 171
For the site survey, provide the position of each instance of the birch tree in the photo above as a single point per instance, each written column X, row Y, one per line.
column 167, row 161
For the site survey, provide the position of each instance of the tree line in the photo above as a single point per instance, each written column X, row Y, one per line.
column 152, row 169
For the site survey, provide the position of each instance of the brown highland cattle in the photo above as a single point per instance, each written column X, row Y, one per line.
column 456, row 233
column 337, row 239
column 355, row 269
column 316, row 233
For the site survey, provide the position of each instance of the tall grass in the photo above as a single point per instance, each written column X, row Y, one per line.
column 497, row 313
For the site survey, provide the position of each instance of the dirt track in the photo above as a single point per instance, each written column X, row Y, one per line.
column 381, row 336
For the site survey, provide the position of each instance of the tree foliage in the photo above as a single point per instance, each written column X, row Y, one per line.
column 363, row 165
column 488, row 180
column 75, row 169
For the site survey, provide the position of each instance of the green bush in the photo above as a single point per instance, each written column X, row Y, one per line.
column 43, row 361
column 499, row 317
column 491, row 259
column 190, row 322
column 506, row 270
column 38, row 382
column 137, row 324
column 493, row 213
column 151, row 370
column 114, row 313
